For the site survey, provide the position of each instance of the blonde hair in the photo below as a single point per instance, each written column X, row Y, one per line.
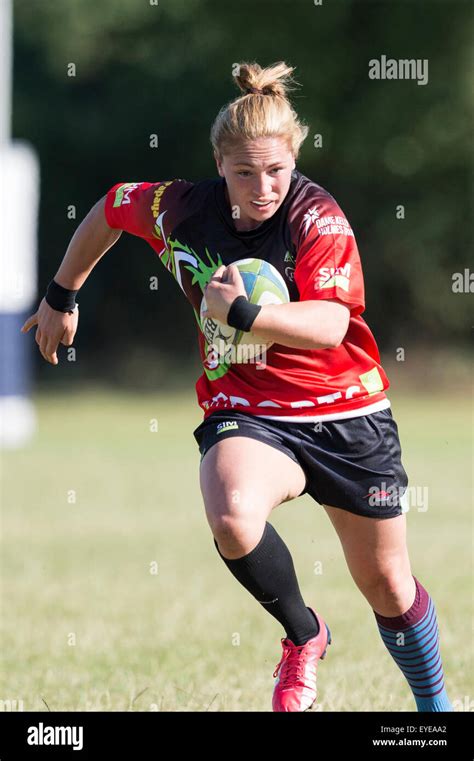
column 262, row 111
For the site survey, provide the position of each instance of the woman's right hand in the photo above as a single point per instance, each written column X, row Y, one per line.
column 53, row 328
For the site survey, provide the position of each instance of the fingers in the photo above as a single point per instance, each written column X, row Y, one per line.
column 52, row 330
column 33, row 320
column 68, row 337
column 233, row 273
column 39, row 339
column 226, row 274
column 49, row 351
column 218, row 273
column 45, row 348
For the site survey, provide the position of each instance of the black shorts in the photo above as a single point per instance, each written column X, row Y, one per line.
column 354, row 464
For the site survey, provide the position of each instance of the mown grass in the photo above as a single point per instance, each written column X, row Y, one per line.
column 98, row 502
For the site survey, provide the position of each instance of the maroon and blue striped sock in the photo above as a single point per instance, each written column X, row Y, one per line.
column 412, row 640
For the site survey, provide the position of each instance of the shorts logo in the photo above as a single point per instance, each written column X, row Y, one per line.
column 399, row 496
column 227, row 425
column 380, row 494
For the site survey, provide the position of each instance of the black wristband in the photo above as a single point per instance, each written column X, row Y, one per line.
column 59, row 298
column 242, row 314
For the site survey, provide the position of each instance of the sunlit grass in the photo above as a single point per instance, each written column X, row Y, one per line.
column 97, row 503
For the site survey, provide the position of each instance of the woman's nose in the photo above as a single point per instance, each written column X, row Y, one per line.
column 262, row 187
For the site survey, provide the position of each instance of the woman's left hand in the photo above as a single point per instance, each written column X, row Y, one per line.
column 225, row 285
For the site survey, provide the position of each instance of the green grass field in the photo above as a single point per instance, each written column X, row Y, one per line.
column 97, row 503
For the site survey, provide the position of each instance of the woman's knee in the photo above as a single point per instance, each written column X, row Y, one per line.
column 378, row 580
column 235, row 535
column 235, row 527
column 236, row 500
column 229, row 519
column 236, row 518
column 387, row 588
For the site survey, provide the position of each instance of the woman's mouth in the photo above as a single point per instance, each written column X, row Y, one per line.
column 260, row 205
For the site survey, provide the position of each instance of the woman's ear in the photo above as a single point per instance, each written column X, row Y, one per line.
column 219, row 164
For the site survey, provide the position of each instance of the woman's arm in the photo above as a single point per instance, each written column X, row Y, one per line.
column 309, row 324
column 303, row 324
column 89, row 243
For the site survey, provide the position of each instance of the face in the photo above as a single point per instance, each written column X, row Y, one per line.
column 257, row 171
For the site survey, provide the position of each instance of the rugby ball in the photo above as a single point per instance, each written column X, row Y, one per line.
column 263, row 285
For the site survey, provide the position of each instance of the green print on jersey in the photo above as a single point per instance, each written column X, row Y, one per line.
column 202, row 274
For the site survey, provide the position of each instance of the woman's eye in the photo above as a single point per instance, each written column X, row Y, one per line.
column 244, row 173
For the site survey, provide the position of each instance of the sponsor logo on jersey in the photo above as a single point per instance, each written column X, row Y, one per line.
column 226, row 426
column 334, row 226
column 310, row 218
column 155, row 207
column 335, row 277
column 122, row 194
column 372, row 381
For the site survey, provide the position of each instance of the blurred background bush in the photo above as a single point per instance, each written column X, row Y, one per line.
column 165, row 68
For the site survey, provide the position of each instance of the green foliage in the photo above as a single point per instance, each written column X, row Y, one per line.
column 143, row 68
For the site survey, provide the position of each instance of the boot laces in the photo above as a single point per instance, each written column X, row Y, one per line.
column 294, row 663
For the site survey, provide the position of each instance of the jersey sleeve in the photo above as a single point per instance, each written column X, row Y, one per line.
column 327, row 262
column 147, row 209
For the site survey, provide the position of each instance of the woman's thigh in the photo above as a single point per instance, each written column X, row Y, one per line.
column 243, row 479
column 375, row 548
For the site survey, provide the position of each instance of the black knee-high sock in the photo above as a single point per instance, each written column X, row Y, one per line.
column 268, row 573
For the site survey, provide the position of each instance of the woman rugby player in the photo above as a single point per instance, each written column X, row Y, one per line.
column 313, row 417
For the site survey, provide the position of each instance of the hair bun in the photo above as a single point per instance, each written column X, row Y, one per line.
column 246, row 119
column 273, row 80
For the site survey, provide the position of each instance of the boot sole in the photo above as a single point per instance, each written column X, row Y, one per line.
column 321, row 659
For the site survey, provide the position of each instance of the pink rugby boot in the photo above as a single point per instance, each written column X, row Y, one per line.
column 295, row 687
